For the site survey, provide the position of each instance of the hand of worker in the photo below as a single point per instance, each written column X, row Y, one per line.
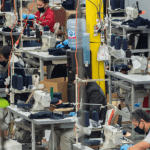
column 65, row 42
column 24, row 16
column 72, row 113
column 31, row 16
column 125, row 147
column 60, row 46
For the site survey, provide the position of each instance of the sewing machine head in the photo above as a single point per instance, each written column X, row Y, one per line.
column 132, row 13
column 10, row 19
column 139, row 65
column 42, row 100
column 113, row 137
column 48, row 42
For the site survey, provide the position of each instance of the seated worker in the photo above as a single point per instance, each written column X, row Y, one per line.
column 141, row 122
column 93, row 94
column 44, row 17
column 4, row 64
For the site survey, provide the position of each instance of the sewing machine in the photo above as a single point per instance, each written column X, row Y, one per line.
column 10, row 19
column 42, row 100
column 48, row 42
column 132, row 13
column 113, row 137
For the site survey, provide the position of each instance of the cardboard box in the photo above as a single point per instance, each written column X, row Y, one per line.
column 114, row 96
column 59, row 85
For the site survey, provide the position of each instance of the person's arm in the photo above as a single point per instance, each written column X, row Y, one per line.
column 140, row 146
column 48, row 20
column 95, row 97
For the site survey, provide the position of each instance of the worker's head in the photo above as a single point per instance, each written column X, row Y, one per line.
column 140, row 120
column 42, row 5
column 4, row 53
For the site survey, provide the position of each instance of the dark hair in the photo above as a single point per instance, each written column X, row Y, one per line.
column 44, row 1
column 5, row 51
column 139, row 114
column 73, row 16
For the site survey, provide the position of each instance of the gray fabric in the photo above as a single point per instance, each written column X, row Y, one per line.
column 63, row 138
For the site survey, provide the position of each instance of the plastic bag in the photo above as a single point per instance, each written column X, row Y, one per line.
column 117, row 53
column 135, row 61
column 103, row 53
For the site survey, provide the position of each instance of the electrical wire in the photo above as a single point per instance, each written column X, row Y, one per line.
column 76, row 47
column 17, row 42
column 2, row 4
column 95, row 6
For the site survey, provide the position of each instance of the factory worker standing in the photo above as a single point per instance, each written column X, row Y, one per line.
column 44, row 16
column 141, row 122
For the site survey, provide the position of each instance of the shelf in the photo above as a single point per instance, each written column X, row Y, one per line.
column 116, row 11
column 140, row 50
column 25, row 91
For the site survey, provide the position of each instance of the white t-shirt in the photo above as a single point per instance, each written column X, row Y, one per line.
column 147, row 138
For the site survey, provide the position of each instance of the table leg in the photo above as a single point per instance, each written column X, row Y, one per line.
column 33, row 136
column 132, row 103
column 148, row 44
column 110, row 94
column 4, row 41
column 149, row 100
column 41, row 70
column 52, row 132
column 124, row 33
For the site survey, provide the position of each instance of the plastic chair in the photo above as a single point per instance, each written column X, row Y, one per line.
column 60, row 17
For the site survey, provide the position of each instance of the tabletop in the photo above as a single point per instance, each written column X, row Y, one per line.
column 134, row 79
column 45, row 56
column 25, row 115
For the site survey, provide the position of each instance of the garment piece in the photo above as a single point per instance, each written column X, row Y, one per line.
column 47, row 18
column 139, row 21
column 25, row 106
column 59, row 53
column 87, row 142
column 7, row 29
column 54, row 50
column 47, row 114
column 64, row 138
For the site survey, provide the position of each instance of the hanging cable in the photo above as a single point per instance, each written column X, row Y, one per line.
column 76, row 47
column 95, row 7
column 17, row 42
column 2, row 4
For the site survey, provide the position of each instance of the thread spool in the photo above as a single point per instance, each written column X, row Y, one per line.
column 29, row 79
column 95, row 116
column 25, row 30
column 85, row 119
column 7, row 7
column 19, row 82
column 113, row 40
column 113, row 4
column 79, row 113
column 46, row 28
column 51, row 91
column 28, row 30
column 118, row 43
column 14, row 81
column 38, row 33
column 128, row 53
column 122, row 4
column 125, row 44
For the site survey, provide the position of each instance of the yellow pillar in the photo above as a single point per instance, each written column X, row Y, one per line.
column 98, row 71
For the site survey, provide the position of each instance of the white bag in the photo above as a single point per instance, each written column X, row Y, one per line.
column 103, row 53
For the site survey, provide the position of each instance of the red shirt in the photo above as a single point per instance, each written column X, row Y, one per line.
column 47, row 19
